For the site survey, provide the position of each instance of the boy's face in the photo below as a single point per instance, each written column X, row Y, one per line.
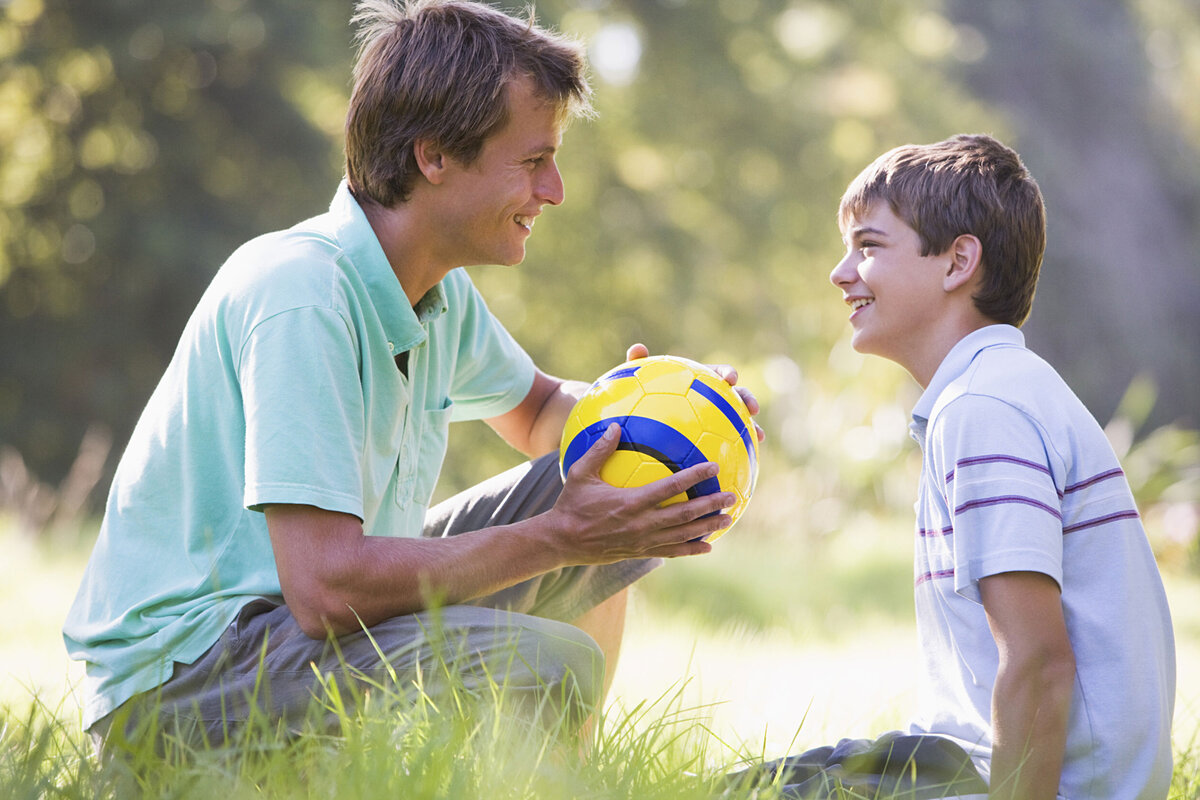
column 892, row 290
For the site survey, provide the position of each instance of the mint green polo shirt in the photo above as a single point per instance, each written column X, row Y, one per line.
column 283, row 389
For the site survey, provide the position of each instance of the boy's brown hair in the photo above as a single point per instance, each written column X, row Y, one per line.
column 439, row 70
column 967, row 184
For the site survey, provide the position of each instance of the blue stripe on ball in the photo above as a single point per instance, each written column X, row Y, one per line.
column 650, row 437
column 725, row 408
column 626, row 372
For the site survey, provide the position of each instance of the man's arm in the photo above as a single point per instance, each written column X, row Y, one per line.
column 335, row 578
column 1031, row 700
column 535, row 426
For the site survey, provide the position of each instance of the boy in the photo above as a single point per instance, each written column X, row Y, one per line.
column 1046, row 638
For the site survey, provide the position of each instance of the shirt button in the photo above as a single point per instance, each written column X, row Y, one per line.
column 391, row 346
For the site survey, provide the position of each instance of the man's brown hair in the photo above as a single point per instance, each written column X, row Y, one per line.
column 439, row 70
column 967, row 184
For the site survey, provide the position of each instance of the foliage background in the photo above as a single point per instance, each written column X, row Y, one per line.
column 141, row 142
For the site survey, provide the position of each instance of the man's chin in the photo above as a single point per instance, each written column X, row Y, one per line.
column 513, row 259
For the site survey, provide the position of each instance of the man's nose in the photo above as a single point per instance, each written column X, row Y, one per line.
column 550, row 185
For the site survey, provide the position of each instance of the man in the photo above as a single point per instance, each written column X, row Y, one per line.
column 275, row 490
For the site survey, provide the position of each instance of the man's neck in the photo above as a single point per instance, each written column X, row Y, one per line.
column 410, row 255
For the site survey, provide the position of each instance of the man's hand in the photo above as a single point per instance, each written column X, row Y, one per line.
column 596, row 523
column 727, row 372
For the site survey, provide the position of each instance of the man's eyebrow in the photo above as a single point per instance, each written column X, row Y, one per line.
column 544, row 150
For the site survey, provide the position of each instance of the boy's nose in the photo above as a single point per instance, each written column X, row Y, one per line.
column 845, row 272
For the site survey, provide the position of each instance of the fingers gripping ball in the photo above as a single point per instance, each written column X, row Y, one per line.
column 673, row 413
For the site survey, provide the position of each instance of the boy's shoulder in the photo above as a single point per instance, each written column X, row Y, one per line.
column 1007, row 377
column 1009, row 372
column 994, row 362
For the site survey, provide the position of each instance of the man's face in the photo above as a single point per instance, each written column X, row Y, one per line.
column 490, row 206
column 890, row 287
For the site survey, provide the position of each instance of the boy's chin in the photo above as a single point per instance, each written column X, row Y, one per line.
column 862, row 344
column 866, row 346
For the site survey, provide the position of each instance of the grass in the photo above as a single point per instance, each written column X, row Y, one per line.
column 768, row 646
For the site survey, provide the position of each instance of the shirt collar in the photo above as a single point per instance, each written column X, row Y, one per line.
column 956, row 362
column 403, row 324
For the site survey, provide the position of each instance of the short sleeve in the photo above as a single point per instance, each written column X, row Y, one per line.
column 303, row 401
column 997, row 478
column 492, row 374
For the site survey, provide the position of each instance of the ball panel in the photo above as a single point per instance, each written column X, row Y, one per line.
column 649, row 471
column 665, row 375
column 622, row 468
column 612, row 399
column 673, row 410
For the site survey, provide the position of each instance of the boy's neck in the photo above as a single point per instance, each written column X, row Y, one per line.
column 923, row 366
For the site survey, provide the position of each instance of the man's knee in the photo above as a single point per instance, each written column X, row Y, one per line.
column 568, row 672
column 530, row 659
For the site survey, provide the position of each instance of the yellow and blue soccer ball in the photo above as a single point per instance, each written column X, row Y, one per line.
column 673, row 413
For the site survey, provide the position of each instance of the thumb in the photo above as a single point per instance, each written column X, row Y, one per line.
column 593, row 459
column 636, row 351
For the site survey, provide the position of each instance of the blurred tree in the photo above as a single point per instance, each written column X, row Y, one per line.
column 1121, row 177
column 139, row 144
column 700, row 212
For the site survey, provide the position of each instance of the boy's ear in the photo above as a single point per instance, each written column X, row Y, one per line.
column 430, row 160
column 966, row 254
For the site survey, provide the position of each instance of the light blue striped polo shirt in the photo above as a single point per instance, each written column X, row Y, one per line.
column 1018, row 476
column 283, row 389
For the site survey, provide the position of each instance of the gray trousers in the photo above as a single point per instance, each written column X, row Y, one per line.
column 910, row 766
column 519, row 638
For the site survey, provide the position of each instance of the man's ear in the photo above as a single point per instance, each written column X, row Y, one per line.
column 966, row 255
column 431, row 160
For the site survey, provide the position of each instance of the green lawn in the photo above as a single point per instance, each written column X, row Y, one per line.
column 839, row 655
column 767, row 646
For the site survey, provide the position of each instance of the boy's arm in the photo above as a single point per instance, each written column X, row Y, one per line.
column 1032, row 697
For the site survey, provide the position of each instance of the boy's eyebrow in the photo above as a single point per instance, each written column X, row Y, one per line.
column 860, row 231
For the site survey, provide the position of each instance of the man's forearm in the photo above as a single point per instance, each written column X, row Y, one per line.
column 547, row 429
column 334, row 578
column 535, row 426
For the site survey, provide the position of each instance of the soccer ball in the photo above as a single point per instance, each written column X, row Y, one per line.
column 673, row 413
